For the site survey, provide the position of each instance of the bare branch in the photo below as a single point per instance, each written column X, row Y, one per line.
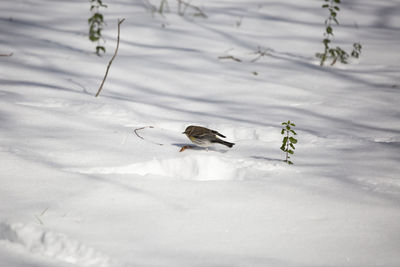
column 141, row 137
column 109, row 63
column 230, row 57
column 141, row 128
column 261, row 53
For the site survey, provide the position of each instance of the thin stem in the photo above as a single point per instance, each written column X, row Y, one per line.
column 109, row 63
column 287, row 147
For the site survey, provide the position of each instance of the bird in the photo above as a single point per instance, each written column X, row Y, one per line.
column 205, row 137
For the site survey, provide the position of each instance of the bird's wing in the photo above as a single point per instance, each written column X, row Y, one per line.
column 217, row 133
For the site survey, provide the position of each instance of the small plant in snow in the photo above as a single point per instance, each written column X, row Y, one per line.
column 163, row 7
column 261, row 52
column 288, row 141
column 96, row 24
column 182, row 8
column 334, row 53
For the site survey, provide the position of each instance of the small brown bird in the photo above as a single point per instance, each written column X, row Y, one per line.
column 204, row 137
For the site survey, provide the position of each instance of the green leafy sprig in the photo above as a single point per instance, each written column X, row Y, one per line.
column 96, row 25
column 336, row 53
column 288, row 141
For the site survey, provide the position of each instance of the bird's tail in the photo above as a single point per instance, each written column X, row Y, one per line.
column 224, row 143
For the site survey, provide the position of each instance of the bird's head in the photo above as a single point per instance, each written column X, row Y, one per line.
column 188, row 130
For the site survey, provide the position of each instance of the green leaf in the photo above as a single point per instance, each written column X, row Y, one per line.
column 292, row 146
column 326, row 41
column 329, row 30
column 283, row 131
column 293, row 132
column 284, row 141
column 292, row 124
column 98, row 17
column 337, row 1
column 323, row 59
column 290, row 151
column 293, row 140
column 101, row 3
column 99, row 47
column 289, row 162
column 325, row 6
column 336, row 21
column 355, row 54
column 356, row 50
column 93, row 38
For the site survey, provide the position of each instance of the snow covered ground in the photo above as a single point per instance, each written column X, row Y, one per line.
column 79, row 188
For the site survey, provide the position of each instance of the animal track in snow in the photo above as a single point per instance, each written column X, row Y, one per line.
column 194, row 167
column 52, row 245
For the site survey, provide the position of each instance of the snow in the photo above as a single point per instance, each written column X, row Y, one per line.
column 51, row 245
column 79, row 188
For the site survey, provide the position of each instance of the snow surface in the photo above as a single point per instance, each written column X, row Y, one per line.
column 79, row 188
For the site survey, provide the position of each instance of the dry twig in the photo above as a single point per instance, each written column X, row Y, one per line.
column 38, row 217
column 141, row 128
column 141, row 137
column 230, row 57
column 261, row 53
column 109, row 63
